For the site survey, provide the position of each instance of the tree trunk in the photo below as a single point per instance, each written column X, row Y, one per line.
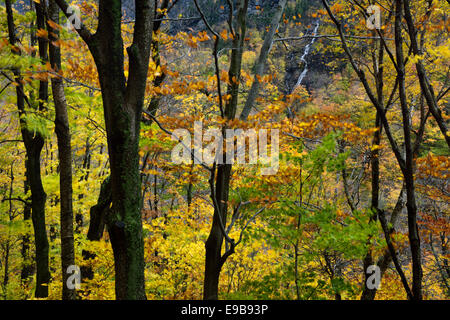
column 124, row 219
column 38, row 198
column 27, row 266
column 213, row 258
column 262, row 59
column 6, row 270
column 369, row 294
column 213, row 245
column 65, row 159
column 413, row 231
column 34, row 143
column 123, row 101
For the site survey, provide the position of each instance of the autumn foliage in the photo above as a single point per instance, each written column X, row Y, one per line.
column 303, row 233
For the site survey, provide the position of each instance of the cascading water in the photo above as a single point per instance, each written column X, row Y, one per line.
column 305, row 54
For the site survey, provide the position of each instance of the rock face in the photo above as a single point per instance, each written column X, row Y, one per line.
column 305, row 54
column 317, row 74
column 307, row 66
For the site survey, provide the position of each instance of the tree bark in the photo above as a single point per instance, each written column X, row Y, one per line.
column 369, row 294
column 213, row 245
column 123, row 104
column 65, row 158
column 262, row 60
column 413, row 231
column 27, row 266
column 34, row 142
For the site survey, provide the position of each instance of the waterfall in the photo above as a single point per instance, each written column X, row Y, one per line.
column 305, row 54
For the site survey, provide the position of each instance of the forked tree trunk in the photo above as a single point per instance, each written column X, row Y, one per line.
column 123, row 104
column 214, row 259
column 213, row 245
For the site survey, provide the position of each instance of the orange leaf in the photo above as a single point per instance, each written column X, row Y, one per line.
column 54, row 25
column 41, row 33
column 224, row 35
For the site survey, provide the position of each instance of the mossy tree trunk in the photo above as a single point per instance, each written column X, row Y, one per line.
column 123, row 104
column 34, row 142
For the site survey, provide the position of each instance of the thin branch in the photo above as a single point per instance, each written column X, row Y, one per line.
column 8, row 141
column 310, row 36
column 230, row 17
column 363, row 79
column 202, row 15
column 17, row 199
column 84, row 33
column 398, row 267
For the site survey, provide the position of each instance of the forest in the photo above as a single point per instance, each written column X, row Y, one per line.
column 224, row 150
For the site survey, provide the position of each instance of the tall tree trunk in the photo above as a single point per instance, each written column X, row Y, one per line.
column 413, row 231
column 262, row 60
column 27, row 265
column 214, row 260
column 123, row 101
column 213, row 245
column 6, row 269
column 38, row 199
column 34, row 142
column 369, row 294
column 65, row 158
